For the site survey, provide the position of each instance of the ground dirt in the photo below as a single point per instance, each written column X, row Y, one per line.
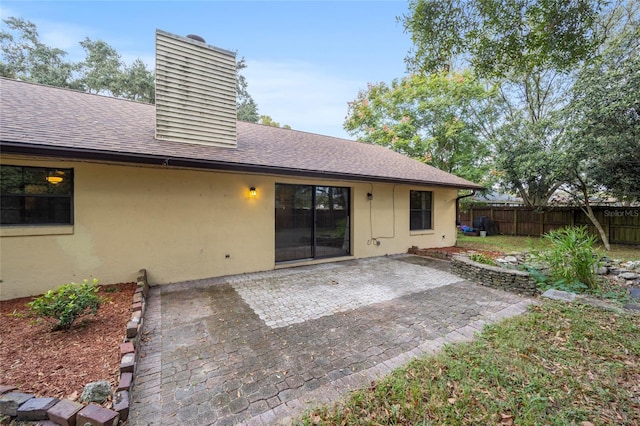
column 49, row 363
column 448, row 252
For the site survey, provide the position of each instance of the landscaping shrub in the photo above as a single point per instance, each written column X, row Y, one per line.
column 66, row 303
column 572, row 259
column 482, row 258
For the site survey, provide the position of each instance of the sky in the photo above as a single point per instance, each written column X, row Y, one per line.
column 305, row 59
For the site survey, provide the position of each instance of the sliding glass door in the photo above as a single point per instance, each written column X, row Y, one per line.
column 312, row 222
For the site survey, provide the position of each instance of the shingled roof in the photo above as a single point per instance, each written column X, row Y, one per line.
column 43, row 120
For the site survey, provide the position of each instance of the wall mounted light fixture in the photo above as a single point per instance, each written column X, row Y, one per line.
column 55, row 177
column 369, row 196
column 252, row 192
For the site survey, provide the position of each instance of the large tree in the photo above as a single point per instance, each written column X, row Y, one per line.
column 605, row 117
column 529, row 49
column 604, row 125
column 530, row 146
column 137, row 83
column 24, row 57
column 444, row 119
column 102, row 68
column 501, row 37
column 570, row 116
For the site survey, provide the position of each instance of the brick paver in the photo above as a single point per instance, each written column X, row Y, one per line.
column 281, row 302
column 224, row 351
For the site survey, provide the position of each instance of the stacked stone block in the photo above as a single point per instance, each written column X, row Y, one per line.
column 511, row 280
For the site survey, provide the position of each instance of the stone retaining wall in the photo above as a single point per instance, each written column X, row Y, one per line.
column 27, row 407
column 511, row 280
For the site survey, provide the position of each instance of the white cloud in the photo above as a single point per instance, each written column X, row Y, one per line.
column 301, row 94
column 62, row 35
column 5, row 13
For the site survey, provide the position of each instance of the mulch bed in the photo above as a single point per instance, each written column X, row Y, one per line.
column 448, row 252
column 59, row 363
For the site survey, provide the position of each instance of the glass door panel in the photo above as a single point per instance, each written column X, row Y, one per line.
column 332, row 221
column 312, row 222
column 294, row 222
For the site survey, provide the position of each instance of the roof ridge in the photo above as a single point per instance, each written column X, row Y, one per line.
column 72, row 90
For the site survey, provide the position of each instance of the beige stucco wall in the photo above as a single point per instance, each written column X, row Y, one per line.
column 189, row 224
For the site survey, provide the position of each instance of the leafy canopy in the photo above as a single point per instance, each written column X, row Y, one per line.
column 23, row 56
column 501, row 37
column 443, row 119
column 605, row 118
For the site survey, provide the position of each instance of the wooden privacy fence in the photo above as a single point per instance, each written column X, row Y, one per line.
column 622, row 224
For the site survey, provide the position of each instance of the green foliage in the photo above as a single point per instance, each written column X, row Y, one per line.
column 24, row 57
column 482, row 258
column 442, row 119
column 268, row 121
column 540, row 278
column 137, row 83
column 501, row 38
column 68, row 302
column 605, row 118
column 511, row 243
column 246, row 107
column 533, row 51
column 572, row 259
column 101, row 68
column 530, row 154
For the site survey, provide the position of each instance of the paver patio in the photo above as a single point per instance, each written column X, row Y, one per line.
column 260, row 348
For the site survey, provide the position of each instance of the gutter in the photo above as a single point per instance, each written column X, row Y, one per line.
column 190, row 163
column 473, row 192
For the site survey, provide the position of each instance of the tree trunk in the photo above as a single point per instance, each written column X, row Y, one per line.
column 592, row 217
column 603, row 235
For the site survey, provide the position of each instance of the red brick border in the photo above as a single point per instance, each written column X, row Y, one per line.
column 66, row 412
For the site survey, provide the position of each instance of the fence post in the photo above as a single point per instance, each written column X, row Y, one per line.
column 515, row 221
column 607, row 229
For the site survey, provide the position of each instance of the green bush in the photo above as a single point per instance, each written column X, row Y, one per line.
column 66, row 303
column 482, row 258
column 572, row 259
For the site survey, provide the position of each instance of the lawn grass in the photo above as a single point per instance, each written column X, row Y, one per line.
column 508, row 244
column 556, row 365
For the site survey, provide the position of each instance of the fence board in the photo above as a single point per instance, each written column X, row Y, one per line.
column 622, row 224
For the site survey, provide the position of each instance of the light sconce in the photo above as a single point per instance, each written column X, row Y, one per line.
column 252, row 192
column 369, row 196
column 55, row 178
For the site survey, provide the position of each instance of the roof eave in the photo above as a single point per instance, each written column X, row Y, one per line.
column 148, row 159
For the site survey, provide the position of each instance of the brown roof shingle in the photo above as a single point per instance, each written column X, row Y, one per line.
column 42, row 119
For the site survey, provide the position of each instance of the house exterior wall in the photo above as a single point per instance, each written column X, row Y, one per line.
column 189, row 224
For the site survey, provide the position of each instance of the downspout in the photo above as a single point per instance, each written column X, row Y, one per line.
column 473, row 192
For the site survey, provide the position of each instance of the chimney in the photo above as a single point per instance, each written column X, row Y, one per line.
column 195, row 91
